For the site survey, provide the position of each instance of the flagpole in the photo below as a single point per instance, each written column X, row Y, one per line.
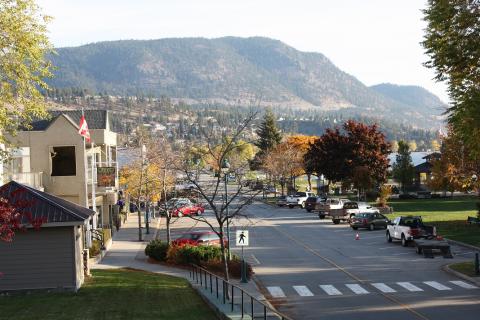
column 88, row 239
column 85, row 167
column 94, row 196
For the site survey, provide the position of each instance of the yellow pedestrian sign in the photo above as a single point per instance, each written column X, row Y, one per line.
column 241, row 238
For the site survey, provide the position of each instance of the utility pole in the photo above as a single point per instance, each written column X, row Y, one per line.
column 142, row 153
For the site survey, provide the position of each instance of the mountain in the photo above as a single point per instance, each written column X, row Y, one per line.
column 229, row 71
column 414, row 96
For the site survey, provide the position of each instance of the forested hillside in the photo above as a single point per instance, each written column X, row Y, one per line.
column 230, row 71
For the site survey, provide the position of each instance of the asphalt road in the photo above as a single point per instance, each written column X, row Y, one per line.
column 313, row 269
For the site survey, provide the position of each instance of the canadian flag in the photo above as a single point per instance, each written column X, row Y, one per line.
column 83, row 131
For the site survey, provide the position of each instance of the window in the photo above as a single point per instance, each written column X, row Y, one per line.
column 63, row 161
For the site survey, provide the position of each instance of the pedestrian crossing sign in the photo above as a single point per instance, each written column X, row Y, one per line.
column 242, row 238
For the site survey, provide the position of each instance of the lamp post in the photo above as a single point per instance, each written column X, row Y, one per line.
column 225, row 168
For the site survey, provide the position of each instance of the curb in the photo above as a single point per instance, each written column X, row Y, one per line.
column 447, row 269
column 462, row 244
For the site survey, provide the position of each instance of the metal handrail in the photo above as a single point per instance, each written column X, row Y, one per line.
column 202, row 279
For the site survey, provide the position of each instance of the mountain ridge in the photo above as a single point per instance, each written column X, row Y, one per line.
column 229, row 71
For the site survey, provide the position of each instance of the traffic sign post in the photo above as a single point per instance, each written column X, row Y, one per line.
column 242, row 240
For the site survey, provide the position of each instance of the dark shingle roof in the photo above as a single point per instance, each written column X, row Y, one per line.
column 425, row 167
column 96, row 119
column 50, row 208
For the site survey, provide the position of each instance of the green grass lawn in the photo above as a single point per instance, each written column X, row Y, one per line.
column 466, row 268
column 113, row 294
column 448, row 215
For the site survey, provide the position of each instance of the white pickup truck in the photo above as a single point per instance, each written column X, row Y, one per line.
column 408, row 228
column 324, row 208
column 298, row 199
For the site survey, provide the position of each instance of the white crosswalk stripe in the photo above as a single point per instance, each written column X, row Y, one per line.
column 464, row 284
column 357, row 289
column 276, row 292
column 303, row 291
column 409, row 286
column 436, row 285
column 383, row 287
column 330, row 290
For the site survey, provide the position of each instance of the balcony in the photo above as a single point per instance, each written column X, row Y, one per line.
column 31, row 179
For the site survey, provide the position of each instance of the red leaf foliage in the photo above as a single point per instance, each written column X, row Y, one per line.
column 15, row 214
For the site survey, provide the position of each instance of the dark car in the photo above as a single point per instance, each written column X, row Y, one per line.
column 369, row 220
column 311, row 202
column 282, row 201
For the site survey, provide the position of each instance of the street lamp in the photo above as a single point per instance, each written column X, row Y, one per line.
column 225, row 169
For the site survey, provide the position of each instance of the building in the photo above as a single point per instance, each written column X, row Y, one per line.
column 51, row 156
column 423, row 171
column 51, row 257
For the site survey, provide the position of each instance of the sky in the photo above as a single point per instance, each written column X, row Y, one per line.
column 376, row 41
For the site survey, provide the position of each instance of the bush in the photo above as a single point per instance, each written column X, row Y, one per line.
column 95, row 249
column 384, row 193
column 234, row 266
column 157, row 250
column 188, row 254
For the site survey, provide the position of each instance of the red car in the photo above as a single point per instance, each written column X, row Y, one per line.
column 191, row 209
column 199, row 238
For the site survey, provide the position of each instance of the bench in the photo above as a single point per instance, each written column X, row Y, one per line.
column 473, row 220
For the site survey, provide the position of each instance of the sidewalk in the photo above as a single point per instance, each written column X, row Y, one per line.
column 127, row 252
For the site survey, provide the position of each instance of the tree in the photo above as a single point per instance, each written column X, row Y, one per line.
column 403, row 170
column 268, row 135
column 452, row 43
column 412, row 145
column 283, row 162
column 455, row 168
column 346, row 156
column 369, row 150
column 23, row 65
column 329, row 155
column 435, row 145
column 210, row 190
column 302, row 144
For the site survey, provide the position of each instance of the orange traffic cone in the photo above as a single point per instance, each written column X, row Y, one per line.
column 357, row 237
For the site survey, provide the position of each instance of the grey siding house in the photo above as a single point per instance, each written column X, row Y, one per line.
column 50, row 257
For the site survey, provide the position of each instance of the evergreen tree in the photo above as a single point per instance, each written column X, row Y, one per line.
column 268, row 133
column 403, row 170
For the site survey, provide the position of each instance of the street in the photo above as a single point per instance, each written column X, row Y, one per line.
column 312, row 269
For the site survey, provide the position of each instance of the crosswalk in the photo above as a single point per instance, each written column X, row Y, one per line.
column 362, row 289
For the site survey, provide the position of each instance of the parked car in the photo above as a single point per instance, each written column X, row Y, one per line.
column 270, row 189
column 199, row 238
column 282, row 201
column 369, row 220
column 329, row 204
column 408, row 228
column 298, row 199
column 354, row 207
column 311, row 203
column 187, row 209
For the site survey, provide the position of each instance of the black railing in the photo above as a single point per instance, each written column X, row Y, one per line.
column 228, row 291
